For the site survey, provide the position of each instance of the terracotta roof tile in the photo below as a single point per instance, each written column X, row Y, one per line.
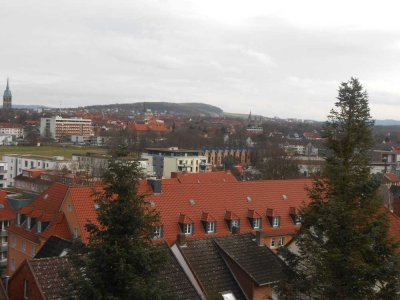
column 224, row 201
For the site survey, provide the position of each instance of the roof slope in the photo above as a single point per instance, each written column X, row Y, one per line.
column 48, row 273
column 174, row 279
column 209, row 267
column 259, row 262
column 53, row 247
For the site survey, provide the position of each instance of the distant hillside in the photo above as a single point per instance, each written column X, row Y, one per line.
column 190, row 109
column 387, row 122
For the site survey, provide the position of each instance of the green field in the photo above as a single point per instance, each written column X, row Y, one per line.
column 55, row 150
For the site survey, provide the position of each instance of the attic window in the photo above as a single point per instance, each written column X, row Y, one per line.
column 192, row 202
column 158, row 232
column 249, row 199
column 284, row 197
column 46, row 196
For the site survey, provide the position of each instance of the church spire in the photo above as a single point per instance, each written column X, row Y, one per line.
column 7, row 97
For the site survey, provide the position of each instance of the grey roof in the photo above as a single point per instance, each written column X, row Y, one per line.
column 54, row 247
column 174, row 280
column 259, row 262
column 49, row 275
column 214, row 275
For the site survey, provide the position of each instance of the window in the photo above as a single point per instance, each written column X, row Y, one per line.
column 276, row 222
column 282, row 241
column 23, row 246
column 158, row 232
column 69, row 208
column 18, row 219
column 188, row 228
column 75, row 233
column 26, row 163
column 211, row 227
column 13, row 241
column 256, row 223
column 273, row 242
column 234, row 223
column 39, row 227
column 25, row 289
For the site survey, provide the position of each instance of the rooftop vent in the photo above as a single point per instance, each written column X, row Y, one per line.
column 284, row 197
column 46, row 196
column 192, row 202
column 249, row 199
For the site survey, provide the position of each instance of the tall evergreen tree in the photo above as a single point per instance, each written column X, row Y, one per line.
column 119, row 261
column 344, row 249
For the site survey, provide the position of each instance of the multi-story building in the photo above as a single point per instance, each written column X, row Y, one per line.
column 94, row 164
column 4, row 178
column 12, row 129
column 58, row 127
column 163, row 161
column 16, row 163
column 216, row 156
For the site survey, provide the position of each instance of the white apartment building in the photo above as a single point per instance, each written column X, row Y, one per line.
column 58, row 127
column 16, row 163
column 95, row 164
column 4, row 179
column 16, row 130
column 163, row 161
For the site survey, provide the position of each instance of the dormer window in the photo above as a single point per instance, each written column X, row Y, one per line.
column 233, row 222
column 187, row 228
column 186, row 225
column 211, row 227
column 18, row 219
column 254, row 219
column 158, row 232
column 256, row 223
column 28, row 223
column 274, row 220
column 39, row 227
column 209, row 223
column 295, row 216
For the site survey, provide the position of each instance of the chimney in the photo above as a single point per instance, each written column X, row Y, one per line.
column 259, row 238
column 181, row 239
column 156, row 185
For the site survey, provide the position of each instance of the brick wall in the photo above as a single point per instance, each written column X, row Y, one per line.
column 16, row 285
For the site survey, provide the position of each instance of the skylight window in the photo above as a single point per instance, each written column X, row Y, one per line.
column 284, row 197
column 192, row 202
column 46, row 196
column 249, row 199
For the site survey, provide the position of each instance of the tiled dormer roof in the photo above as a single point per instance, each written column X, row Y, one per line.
column 224, row 201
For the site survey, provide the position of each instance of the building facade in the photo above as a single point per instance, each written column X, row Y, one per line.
column 58, row 127
column 16, row 163
column 163, row 161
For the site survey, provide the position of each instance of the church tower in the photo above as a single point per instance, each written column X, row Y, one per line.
column 7, row 97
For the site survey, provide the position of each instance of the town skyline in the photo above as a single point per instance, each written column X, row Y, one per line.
column 273, row 59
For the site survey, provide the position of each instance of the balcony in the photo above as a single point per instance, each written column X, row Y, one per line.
column 4, row 247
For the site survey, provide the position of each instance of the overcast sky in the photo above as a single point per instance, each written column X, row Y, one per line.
column 275, row 58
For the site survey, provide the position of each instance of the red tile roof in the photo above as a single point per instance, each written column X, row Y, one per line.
column 207, row 177
column 229, row 200
column 391, row 177
column 46, row 208
column 6, row 211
